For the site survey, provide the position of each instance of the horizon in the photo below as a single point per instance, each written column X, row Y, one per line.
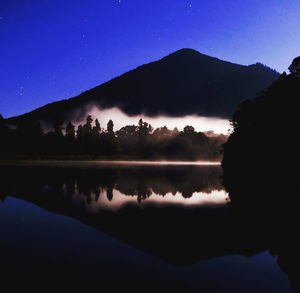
column 39, row 62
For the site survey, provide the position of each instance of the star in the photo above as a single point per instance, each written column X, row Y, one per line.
column 189, row 8
column 21, row 91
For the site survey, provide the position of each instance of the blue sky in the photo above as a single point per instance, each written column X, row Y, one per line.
column 56, row 49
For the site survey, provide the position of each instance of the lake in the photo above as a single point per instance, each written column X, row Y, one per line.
column 140, row 226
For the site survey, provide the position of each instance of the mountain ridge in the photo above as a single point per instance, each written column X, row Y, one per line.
column 181, row 83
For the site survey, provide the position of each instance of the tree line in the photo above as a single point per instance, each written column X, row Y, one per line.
column 89, row 140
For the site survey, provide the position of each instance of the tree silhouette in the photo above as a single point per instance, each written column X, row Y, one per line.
column 79, row 132
column 3, row 136
column 70, row 131
column 30, row 128
column 262, row 147
column 188, row 130
column 96, row 128
column 144, row 129
column 294, row 68
column 57, row 125
column 2, row 126
column 131, row 141
column 87, row 127
column 110, row 127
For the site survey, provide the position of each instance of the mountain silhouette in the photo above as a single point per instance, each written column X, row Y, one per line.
column 184, row 82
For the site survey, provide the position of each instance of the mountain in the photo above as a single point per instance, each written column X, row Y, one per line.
column 184, row 82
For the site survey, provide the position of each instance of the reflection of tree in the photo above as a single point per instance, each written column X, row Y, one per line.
column 196, row 233
column 186, row 180
column 110, row 194
column 141, row 182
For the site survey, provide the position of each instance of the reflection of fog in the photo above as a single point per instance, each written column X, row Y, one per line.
column 111, row 187
column 175, row 213
column 113, row 199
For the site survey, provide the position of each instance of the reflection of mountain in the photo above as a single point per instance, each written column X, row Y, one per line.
column 181, row 235
column 54, row 189
column 198, row 83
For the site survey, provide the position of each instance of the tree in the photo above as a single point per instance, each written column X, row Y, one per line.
column 140, row 123
column 111, row 143
column 79, row 132
column 128, row 132
column 96, row 128
column 30, row 128
column 188, row 129
column 29, row 137
column 87, row 127
column 89, row 119
column 110, row 127
column 57, row 125
column 3, row 134
column 144, row 129
column 70, row 131
column 1, row 123
column 295, row 67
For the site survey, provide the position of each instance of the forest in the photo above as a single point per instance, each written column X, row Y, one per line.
column 89, row 141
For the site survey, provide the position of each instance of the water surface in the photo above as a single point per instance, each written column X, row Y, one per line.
column 163, row 227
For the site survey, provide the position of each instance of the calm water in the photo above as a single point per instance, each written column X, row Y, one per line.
column 163, row 227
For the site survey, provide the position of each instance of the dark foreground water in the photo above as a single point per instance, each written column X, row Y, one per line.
column 163, row 228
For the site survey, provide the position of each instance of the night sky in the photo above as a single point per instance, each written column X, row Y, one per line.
column 56, row 49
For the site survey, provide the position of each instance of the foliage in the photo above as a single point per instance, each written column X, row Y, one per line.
column 263, row 146
column 131, row 141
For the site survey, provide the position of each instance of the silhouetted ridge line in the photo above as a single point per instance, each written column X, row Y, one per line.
column 184, row 82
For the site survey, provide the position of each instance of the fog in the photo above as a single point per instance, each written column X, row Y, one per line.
column 121, row 119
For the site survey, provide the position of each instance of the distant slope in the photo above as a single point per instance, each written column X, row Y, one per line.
column 185, row 82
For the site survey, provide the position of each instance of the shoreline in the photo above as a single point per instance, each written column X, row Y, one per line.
column 74, row 163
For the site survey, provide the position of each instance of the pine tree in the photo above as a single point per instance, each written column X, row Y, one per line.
column 87, row 127
column 110, row 127
column 70, row 131
column 97, row 128
column 79, row 132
